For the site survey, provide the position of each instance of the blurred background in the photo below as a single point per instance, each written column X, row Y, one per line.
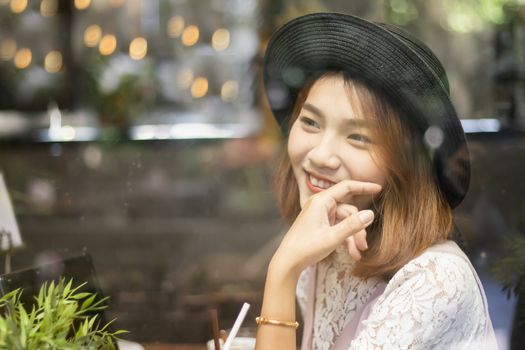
column 137, row 131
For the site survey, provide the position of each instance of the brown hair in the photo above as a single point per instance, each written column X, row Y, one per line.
column 411, row 212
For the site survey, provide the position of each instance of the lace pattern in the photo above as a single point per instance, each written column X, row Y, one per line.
column 339, row 295
column 433, row 302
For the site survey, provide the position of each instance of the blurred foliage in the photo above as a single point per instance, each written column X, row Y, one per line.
column 475, row 15
column 51, row 323
column 402, row 12
column 274, row 13
column 461, row 16
column 510, row 269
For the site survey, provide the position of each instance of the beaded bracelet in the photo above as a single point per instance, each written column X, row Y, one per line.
column 264, row 320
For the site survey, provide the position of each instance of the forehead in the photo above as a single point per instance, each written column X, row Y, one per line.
column 334, row 96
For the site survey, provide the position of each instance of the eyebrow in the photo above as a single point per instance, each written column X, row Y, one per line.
column 353, row 121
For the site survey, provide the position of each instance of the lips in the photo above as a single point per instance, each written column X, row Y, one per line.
column 317, row 184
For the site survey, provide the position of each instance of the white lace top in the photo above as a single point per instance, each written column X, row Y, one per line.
column 433, row 302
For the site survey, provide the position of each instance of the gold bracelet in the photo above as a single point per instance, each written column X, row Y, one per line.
column 264, row 320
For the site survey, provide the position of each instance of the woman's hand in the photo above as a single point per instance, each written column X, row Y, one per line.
column 356, row 243
column 325, row 221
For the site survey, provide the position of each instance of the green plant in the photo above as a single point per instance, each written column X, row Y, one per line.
column 61, row 318
column 510, row 269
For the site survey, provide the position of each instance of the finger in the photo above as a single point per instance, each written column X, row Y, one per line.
column 352, row 249
column 360, row 240
column 351, row 225
column 345, row 210
column 341, row 190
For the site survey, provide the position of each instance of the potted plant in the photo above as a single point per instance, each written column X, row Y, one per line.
column 61, row 317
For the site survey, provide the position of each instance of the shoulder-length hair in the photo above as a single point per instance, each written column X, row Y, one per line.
column 411, row 212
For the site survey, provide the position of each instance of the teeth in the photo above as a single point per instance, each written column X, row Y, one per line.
column 320, row 183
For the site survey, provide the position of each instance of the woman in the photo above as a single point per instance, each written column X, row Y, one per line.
column 376, row 160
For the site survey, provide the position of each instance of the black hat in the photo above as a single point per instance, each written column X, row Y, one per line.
column 384, row 57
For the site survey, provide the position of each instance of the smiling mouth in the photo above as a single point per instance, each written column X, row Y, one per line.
column 316, row 184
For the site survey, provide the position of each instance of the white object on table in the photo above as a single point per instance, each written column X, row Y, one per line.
column 239, row 343
column 236, row 325
column 129, row 345
column 11, row 234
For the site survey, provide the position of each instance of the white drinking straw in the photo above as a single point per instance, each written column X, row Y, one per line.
column 236, row 326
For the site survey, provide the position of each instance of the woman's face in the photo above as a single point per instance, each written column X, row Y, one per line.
column 330, row 142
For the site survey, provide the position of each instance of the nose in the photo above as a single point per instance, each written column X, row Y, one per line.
column 325, row 154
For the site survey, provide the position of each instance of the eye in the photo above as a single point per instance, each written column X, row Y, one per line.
column 360, row 138
column 309, row 122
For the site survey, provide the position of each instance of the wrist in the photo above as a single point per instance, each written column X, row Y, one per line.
column 279, row 291
column 282, row 269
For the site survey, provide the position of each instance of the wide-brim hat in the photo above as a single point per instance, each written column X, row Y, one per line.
column 386, row 58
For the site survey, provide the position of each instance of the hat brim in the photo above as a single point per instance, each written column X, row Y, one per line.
column 384, row 59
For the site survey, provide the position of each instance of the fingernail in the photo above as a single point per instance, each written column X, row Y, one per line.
column 366, row 216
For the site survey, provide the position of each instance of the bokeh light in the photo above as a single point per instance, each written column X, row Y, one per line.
column 53, row 62
column 138, row 48
column 220, row 39
column 434, row 137
column 23, row 58
column 18, row 6
column 68, row 133
column 116, row 3
column 82, row 4
column 175, row 26
column 199, row 88
column 107, row 45
column 462, row 19
column 494, row 11
column 48, row 8
column 403, row 12
column 185, row 78
column 229, row 90
column 190, row 35
column 8, row 49
column 463, row 22
column 93, row 157
column 92, row 35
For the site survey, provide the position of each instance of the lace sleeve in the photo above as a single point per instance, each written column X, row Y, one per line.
column 433, row 302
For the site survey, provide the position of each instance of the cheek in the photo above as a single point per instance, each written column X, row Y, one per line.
column 297, row 147
column 370, row 170
column 365, row 168
column 377, row 174
column 380, row 170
